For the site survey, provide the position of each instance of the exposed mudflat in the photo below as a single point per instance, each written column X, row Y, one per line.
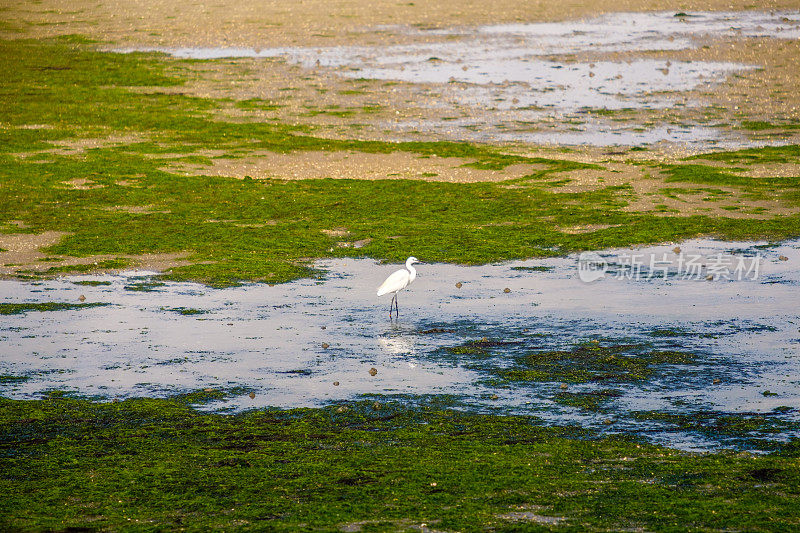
column 589, row 81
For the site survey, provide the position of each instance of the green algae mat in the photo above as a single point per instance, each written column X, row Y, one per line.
column 151, row 465
column 91, row 140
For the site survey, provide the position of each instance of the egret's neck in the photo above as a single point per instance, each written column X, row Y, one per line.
column 412, row 271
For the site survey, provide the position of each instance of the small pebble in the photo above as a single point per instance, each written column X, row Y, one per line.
column 342, row 409
column 82, row 298
column 324, row 327
column 677, row 249
column 433, row 484
column 563, row 386
column 608, row 421
column 252, row 395
column 716, row 381
column 335, row 383
column 710, row 277
column 506, row 290
column 373, row 371
column 783, row 258
column 376, row 406
column 495, row 397
column 459, row 285
column 325, row 345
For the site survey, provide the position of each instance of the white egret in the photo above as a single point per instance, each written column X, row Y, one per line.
column 398, row 281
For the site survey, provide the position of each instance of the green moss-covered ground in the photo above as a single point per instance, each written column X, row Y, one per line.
column 244, row 229
column 159, row 464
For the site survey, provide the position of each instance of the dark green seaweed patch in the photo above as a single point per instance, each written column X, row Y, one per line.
column 589, row 400
column 594, row 362
column 7, row 378
column 70, row 464
column 747, row 430
column 19, row 308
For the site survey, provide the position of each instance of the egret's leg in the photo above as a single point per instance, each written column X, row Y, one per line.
column 391, row 304
column 397, row 309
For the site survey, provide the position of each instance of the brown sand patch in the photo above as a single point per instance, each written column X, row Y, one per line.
column 355, row 244
column 610, row 175
column 238, row 224
column 586, row 228
column 136, row 209
column 351, row 165
column 35, row 127
column 82, row 184
column 311, row 22
column 335, row 232
column 24, row 248
column 23, row 254
column 697, row 201
column 79, row 146
column 754, row 170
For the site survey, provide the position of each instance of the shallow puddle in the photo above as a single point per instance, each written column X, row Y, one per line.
column 314, row 341
column 536, row 72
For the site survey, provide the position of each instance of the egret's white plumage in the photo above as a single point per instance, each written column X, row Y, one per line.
column 398, row 281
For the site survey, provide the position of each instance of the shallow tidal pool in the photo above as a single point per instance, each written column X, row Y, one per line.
column 635, row 341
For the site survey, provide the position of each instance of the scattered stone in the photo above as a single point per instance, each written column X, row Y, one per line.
column 506, row 290
column 563, row 386
column 325, row 345
column 433, row 484
column 783, row 258
column 677, row 249
column 373, row 371
column 324, row 327
column 495, row 397
column 82, row 298
column 716, row 381
column 710, row 277
column 342, row 409
column 459, row 285
column 335, row 383
column 608, row 421
column 252, row 395
column 769, row 393
column 376, row 406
